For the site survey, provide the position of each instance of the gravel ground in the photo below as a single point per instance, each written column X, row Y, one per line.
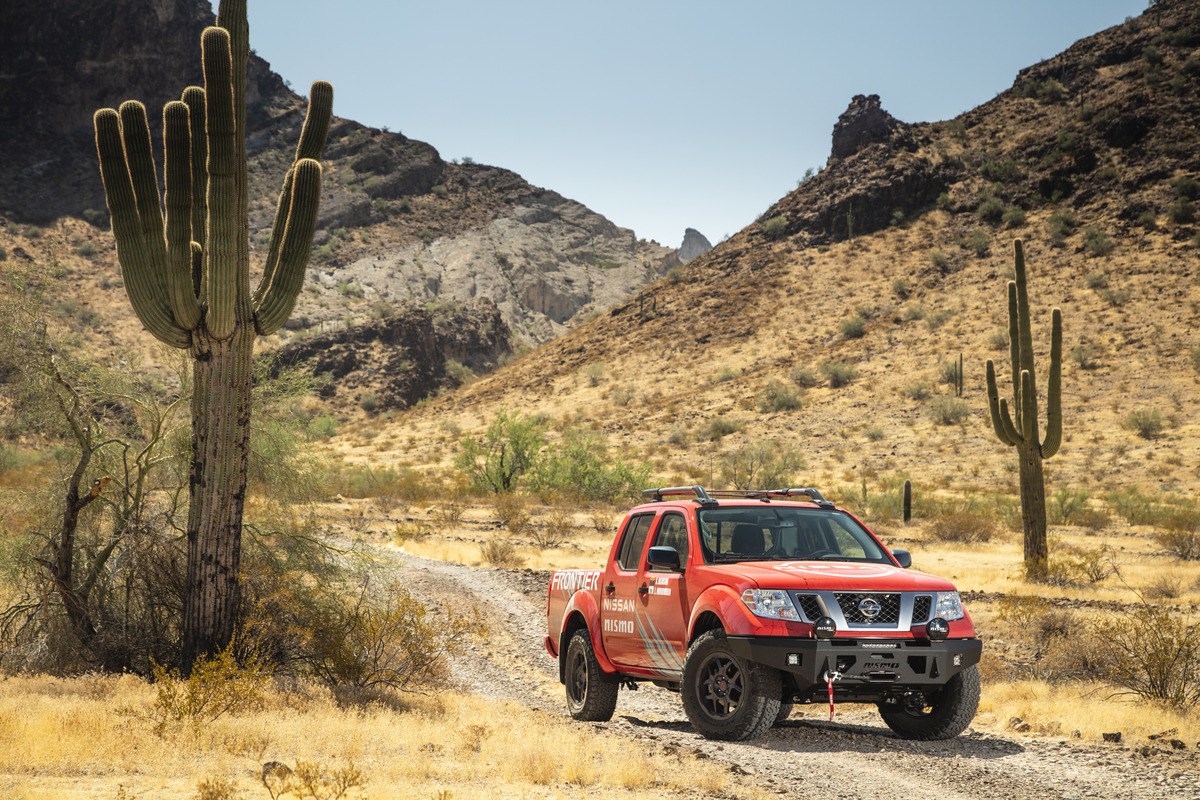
column 855, row 756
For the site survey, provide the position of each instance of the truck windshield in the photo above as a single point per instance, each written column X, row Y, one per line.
column 780, row 533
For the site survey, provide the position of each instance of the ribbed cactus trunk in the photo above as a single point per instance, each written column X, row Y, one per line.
column 1020, row 428
column 187, row 275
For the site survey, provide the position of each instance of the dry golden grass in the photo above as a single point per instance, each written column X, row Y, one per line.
column 57, row 740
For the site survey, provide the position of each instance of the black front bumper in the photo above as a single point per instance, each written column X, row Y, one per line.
column 863, row 666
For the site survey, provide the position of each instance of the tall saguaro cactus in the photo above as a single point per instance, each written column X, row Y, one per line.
column 187, row 275
column 1020, row 427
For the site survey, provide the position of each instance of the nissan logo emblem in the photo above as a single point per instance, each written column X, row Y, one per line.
column 869, row 607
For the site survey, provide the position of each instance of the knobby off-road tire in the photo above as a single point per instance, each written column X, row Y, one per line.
column 952, row 709
column 591, row 692
column 785, row 711
column 724, row 696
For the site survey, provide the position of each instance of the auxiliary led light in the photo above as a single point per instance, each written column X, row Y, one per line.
column 938, row 629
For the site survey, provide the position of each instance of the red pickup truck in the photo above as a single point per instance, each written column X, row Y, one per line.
column 746, row 602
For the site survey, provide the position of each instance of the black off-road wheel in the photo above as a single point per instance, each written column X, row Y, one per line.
column 591, row 692
column 724, row 696
column 946, row 714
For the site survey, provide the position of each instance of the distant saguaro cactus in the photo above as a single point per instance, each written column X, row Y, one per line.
column 188, row 278
column 1020, row 427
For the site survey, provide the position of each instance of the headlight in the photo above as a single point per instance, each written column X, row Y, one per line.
column 947, row 606
column 770, row 603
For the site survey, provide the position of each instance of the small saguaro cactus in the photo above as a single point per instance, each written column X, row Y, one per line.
column 1018, row 426
column 187, row 276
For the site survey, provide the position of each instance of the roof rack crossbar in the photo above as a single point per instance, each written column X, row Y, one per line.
column 708, row 497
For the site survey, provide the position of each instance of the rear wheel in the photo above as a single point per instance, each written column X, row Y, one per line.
column 943, row 714
column 591, row 692
column 726, row 697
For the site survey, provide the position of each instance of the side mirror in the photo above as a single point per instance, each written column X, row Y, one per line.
column 666, row 557
column 904, row 557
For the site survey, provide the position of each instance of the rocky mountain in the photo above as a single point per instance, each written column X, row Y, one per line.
column 398, row 223
column 826, row 325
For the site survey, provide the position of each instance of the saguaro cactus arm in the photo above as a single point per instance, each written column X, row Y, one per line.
column 1054, row 418
column 1002, row 423
column 221, row 262
column 123, row 146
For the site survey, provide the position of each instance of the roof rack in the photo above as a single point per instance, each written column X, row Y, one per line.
column 709, row 498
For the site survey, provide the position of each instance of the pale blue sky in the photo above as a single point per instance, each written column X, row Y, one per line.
column 659, row 114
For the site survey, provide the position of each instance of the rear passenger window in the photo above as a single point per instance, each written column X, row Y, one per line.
column 672, row 532
column 634, row 542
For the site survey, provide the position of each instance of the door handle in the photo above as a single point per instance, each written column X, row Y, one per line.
column 643, row 589
column 610, row 588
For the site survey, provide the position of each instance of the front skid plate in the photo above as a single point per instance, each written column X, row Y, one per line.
column 864, row 665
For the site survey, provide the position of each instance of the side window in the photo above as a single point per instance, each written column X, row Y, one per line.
column 633, row 543
column 672, row 532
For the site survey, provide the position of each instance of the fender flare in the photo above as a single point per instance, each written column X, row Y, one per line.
column 583, row 605
column 728, row 607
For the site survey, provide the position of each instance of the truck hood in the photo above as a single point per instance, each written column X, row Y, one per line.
column 837, row 575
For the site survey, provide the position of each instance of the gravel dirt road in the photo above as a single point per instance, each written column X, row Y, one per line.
column 855, row 756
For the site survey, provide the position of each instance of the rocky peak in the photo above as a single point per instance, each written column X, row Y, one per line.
column 694, row 245
column 864, row 122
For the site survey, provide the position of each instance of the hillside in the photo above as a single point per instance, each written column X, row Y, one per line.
column 1090, row 157
column 397, row 222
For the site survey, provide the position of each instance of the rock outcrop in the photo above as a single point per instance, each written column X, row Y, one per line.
column 694, row 245
column 864, row 122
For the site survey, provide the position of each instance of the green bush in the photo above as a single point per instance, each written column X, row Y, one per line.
column 991, row 209
column 838, row 373
column 805, row 378
column 508, row 450
column 854, row 327
column 762, row 464
column 1014, row 217
column 775, row 227
column 1096, row 242
column 918, row 390
column 1181, row 211
column 901, row 288
column 1153, row 654
column 719, row 427
column 943, row 202
column 947, row 410
column 1145, row 422
column 1096, row 280
column 979, row 242
column 1002, row 171
column 776, row 396
column 998, row 339
column 964, row 526
column 581, row 467
column 369, row 402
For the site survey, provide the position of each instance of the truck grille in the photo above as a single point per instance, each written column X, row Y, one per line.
column 921, row 605
column 854, row 605
column 810, row 606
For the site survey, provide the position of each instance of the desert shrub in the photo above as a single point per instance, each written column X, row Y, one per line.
column 512, row 513
column 581, row 468
column 217, row 685
column 1195, row 355
column 947, row 372
column 1186, row 186
column 776, row 396
column 998, row 339
column 964, row 526
column 388, row 638
column 724, row 375
column 1154, row 654
column 1014, row 217
column 501, row 553
column 775, row 227
column 762, row 464
column 593, row 373
column 947, row 410
column 854, row 327
column 556, row 529
column 1085, row 356
column 979, row 242
column 1000, row 171
column 806, row 378
column 1096, row 242
column 939, row 259
column 1096, row 280
column 874, row 433
column 1145, row 422
column 838, row 373
column 1060, row 223
column 991, row 208
column 621, row 395
column 1181, row 211
column 369, row 402
column 918, row 390
column 1048, row 90
column 936, row 319
column 1115, row 297
column 718, row 427
column 508, row 450
column 1067, row 505
column 901, row 288
column 1181, row 543
column 914, row 313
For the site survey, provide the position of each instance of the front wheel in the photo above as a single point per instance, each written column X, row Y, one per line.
column 724, row 696
column 591, row 692
column 943, row 714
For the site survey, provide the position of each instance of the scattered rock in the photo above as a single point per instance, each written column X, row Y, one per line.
column 1114, row 738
